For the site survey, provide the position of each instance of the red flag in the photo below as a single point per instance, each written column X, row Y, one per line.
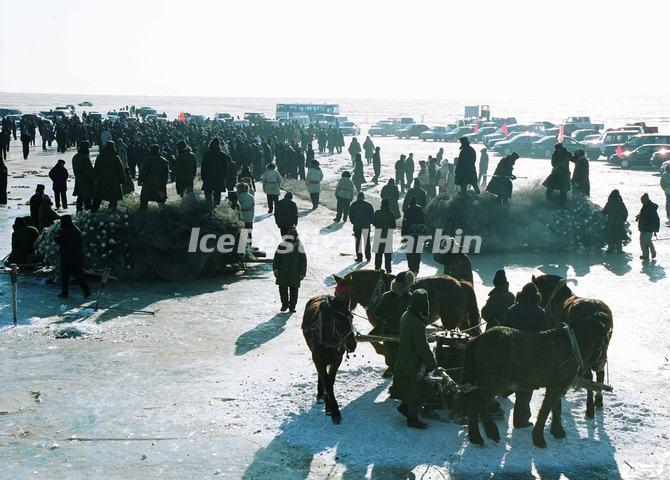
column 182, row 117
column 561, row 133
column 619, row 151
column 505, row 132
column 476, row 128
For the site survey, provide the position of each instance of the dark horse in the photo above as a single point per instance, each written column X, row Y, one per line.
column 505, row 358
column 329, row 332
column 452, row 301
column 562, row 306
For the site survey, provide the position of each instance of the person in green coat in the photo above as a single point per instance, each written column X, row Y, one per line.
column 84, row 178
column 415, row 359
column 388, row 313
column 289, row 267
column 500, row 299
column 154, row 176
column 109, row 176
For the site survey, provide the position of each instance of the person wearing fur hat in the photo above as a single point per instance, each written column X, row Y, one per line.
column 35, row 202
column 185, row 168
column 500, row 299
column 456, row 263
column 388, row 312
column 23, row 239
column 580, row 174
column 84, row 182
column 466, row 169
column 154, row 176
column 415, row 359
column 58, row 175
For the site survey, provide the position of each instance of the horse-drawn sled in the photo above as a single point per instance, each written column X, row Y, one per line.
column 474, row 367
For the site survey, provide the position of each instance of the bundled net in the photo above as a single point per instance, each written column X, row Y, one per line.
column 152, row 243
column 529, row 222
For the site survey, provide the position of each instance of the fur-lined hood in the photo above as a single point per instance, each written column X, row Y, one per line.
column 402, row 283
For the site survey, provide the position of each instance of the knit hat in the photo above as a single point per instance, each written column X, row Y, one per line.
column 500, row 279
column 419, row 303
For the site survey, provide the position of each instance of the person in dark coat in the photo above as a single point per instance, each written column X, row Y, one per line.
column 289, row 267
column 369, row 149
column 390, row 192
column 499, row 300
column 154, row 176
column 527, row 316
column 361, row 215
column 71, row 256
column 47, row 216
column 501, row 183
column 483, row 167
column 25, row 141
column 400, row 172
column 413, row 226
column 617, row 214
column 110, row 177
column 376, row 165
column 23, row 241
column 185, row 169
column 416, row 192
column 58, row 175
column 35, row 202
column 3, row 182
column 84, row 178
column 466, row 169
column 559, row 178
column 384, row 221
column 409, row 170
column 580, row 174
column 648, row 223
column 388, row 312
column 213, row 172
column 359, row 176
column 456, row 263
column 286, row 214
column 415, row 360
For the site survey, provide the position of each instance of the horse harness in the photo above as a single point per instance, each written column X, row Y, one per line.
column 547, row 306
column 317, row 330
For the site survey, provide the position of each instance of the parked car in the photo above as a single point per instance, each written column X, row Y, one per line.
column 607, row 143
column 86, row 104
column 458, row 132
column 349, row 128
column 14, row 118
column 223, row 117
column 492, row 138
column 645, row 139
column 544, row 147
column 521, row 144
column 382, row 128
column 477, row 137
column 580, row 134
column 94, row 115
column 576, row 123
column 113, row 116
column 144, row 111
column 660, row 156
column 413, row 130
column 645, row 128
column 640, row 157
column 435, row 134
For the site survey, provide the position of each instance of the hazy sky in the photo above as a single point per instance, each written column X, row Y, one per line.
column 335, row 48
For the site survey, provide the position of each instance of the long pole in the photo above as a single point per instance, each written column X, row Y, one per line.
column 14, row 278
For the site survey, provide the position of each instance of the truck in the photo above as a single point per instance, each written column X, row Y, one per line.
column 576, row 123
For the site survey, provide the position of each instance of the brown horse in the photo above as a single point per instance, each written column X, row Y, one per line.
column 452, row 301
column 562, row 306
column 504, row 358
column 329, row 332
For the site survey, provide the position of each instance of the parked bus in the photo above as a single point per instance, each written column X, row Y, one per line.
column 285, row 110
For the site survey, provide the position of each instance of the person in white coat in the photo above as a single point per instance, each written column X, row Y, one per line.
column 247, row 205
column 271, row 185
column 345, row 191
column 313, row 182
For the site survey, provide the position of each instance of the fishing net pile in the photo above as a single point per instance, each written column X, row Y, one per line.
column 153, row 243
column 528, row 223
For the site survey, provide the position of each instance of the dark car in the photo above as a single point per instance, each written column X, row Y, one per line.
column 580, row 134
column 435, row 134
column 521, row 144
column 660, row 157
column 477, row 137
column 608, row 143
column 641, row 157
column 413, row 130
column 458, row 132
column 544, row 147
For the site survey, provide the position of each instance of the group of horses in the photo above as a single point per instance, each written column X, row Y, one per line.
column 497, row 361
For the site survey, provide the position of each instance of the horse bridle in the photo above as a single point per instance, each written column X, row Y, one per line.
column 547, row 306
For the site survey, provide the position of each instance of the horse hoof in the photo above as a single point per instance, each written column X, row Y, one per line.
column 558, row 433
column 319, row 399
column 337, row 419
column 494, row 436
column 590, row 414
column 476, row 439
column 538, row 440
column 599, row 403
column 329, row 413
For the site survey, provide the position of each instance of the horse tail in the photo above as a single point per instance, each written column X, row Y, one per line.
column 470, row 365
column 472, row 308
